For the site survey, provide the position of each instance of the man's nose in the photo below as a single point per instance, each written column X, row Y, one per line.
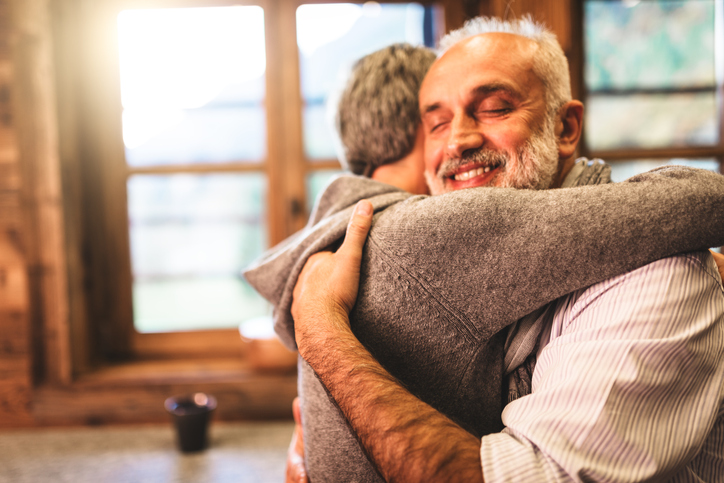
column 464, row 135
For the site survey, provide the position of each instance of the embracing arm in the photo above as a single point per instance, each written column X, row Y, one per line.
column 407, row 439
column 524, row 248
column 410, row 441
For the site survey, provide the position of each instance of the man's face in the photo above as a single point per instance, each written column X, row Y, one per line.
column 484, row 116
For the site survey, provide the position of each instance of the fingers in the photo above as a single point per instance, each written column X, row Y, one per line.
column 296, row 472
column 310, row 266
column 357, row 230
column 326, row 289
column 719, row 259
column 297, row 411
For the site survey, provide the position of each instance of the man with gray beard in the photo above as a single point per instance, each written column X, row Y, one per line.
column 533, row 166
column 441, row 276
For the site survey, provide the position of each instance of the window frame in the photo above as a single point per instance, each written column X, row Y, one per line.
column 88, row 86
column 613, row 156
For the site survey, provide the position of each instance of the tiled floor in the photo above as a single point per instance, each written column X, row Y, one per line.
column 238, row 452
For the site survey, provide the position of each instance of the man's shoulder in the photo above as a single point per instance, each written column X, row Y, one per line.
column 656, row 291
column 697, row 263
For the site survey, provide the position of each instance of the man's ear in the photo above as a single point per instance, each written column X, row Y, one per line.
column 569, row 128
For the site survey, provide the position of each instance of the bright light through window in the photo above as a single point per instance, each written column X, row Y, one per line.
column 163, row 65
column 318, row 25
column 331, row 38
column 173, row 60
column 193, row 89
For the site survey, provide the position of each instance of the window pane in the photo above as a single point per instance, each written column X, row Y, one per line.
column 192, row 85
column 651, row 120
column 316, row 182
column 319, row 135
column 331, row 38
column 206, row 135
column 649, row 44
column 191, row 235
column 621, row 170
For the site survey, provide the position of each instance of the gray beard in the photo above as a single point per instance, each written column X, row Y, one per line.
column 533, row 166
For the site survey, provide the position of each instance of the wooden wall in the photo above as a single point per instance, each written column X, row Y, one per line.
column 34, row 330
column 15, row 354
column 33, row 277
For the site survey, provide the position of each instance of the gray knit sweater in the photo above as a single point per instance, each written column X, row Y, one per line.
column 441, row 276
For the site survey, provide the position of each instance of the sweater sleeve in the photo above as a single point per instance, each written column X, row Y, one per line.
column 491, row 255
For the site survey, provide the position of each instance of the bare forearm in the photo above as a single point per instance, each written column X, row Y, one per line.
column 407, row 439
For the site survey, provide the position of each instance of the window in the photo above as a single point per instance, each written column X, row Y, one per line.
column 331, row 37
column 192, row 91
column 653, row 75
column 201, row 137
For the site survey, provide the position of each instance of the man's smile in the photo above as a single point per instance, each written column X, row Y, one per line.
column 472, row 175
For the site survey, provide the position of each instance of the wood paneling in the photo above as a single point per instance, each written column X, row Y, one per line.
column 15, row 356
column 34, row 121
column 15, row 353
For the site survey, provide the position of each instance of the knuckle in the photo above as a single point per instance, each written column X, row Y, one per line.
column 358, row 229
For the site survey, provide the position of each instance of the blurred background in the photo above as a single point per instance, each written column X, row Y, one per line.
column 151, row 149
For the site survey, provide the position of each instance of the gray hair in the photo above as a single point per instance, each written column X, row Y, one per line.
column 549, row 64
column 378, row 113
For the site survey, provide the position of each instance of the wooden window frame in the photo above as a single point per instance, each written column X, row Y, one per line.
column 715, row 151
column 108, row 295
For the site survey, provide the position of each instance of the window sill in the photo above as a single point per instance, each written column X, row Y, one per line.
column 134, row 392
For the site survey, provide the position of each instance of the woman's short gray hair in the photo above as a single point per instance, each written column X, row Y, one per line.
column 378, row 113
column 550, row 63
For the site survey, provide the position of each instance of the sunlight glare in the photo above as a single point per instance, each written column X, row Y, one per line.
column 318, row 25
column 183, row 58
column 140, row 125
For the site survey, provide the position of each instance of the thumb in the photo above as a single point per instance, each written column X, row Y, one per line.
column 357, row 230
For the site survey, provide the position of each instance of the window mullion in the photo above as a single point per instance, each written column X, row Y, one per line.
column 284, row 124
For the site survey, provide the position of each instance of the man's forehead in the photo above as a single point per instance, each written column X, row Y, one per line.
column 485, row 55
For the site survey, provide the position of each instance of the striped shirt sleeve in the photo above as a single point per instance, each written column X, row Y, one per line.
column 628, row 386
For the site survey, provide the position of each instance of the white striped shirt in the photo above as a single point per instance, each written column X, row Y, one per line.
column 627, row 386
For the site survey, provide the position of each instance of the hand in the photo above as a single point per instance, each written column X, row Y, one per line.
column 719, row 259
column 296, row 471
column 326, row 290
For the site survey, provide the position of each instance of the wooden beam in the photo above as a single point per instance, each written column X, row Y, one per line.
column 34, row 117
column 289, row 132
column 239, row 167
column 134, row 393
column 660, row 153
column 15, row 356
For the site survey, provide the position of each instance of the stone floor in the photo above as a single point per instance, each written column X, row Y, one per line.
column 238, row 452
